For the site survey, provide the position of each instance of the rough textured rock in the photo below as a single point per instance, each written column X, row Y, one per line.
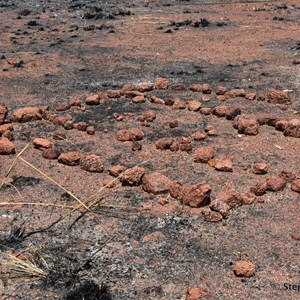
column 221, row 207
column 249, row 198
column 62, row 106
column 185, row 144
column 278, row 97
column 149, row 115
column 90, row 130
column 51, row 153
column 139, row 99
column 221, row 90
column 156, row 183
column 70, row 158
column 93, row 99
column 196, row 293
column 246, row 125
column 91, row 163
column 194, row 105
column 211, row 130
column 178, row 87
column 164, row 143
column 230, row 112
column 198, row 136
column 206, row 88
column 212, row 216
column 161, row 83
column 288, row 176
column 229, row 195
column 26, row 114
column 59, row 135
column 114, row 93
column 144, row 87
column 6, row 147
column 173, row 124
column 260, row 168
column 295, row 186
column 116, row 170
column 259, row 188
column 6, row 127
column 3, row 113
column 157, row 100
column 276, row 184
column 281, row 125
column 234, row 93
column 204, row 154
column 133, row 176
column 81, row 126
column 136, row 146
column 224, row 165
column 196, row 87
column 196, row 195
column 251, row 96
column 178, row 104
column 244, row 268
column 292, row 128
column 133, row 134
column 41, row 143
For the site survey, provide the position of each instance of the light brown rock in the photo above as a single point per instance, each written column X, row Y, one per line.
column 41, row 143
column 116, row 170
column 91, row 163
column 276, row 184
column 161, row 83
column 229, row 195
column 224, row 165
column 244, row 268
column 194, row 105
column 26, row 114
column 196, row 293
column 156, row 183
column 133, row 176
column 204, row 154
column 6, row 147
column 51, row 153
column 198, row 136
column 293, row 128
column 246, row 125
column 260, row 168
column 196, row 195
column 178, row 104
column 196, row 88
column 164, row 143
column 278, row 97
column 70, row 158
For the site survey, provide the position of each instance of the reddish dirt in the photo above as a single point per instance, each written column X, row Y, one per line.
column 183, row 218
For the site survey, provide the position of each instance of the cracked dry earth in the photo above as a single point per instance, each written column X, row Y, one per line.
column 160, row 149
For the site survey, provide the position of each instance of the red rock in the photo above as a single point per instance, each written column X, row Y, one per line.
column 59, row 135
column 234, row 93
column 196, row 195
column 295, row 237
column 163, row 201
column 173, row 123
column 211, row 130
column 6, row 127
column 260, row 168
column 221, row 97
column 70, row 158
column 276, row 184
column 161, row 83
column 116, row 170
column 196, row 293
column 157, row 100
column 206, row 111
column 198, row 136
column 261, row 97
column 248, row 198
column 164, row 143
column 288, row 176
column 184, row 147
column 133, row 176
column 246, row 125
column 244, row 268
column 293, row 128
column 221, row 90
column 260, row 188
column 91, row 163
column 8, row 134
column 51, row 153
column 169, row 101
column 62, row 106
column 90, row 130
column 156, row 183
column 194, row 105
column 26, row 114
column 229, row 195
column 146, row 87
column 281, row 125
column 178, row 104
column 221, row 207
column 295, row 186
column 133, row 134
column 178, row 87
column 185, row 144
column 75, row 102
column 278, row 97
column 212, row 216
column 267, row 119
column 136, row 146
column 176, row 190
column 41, row 143
column 3, row 113
column 206, row 89
column 204, row 154
column 68, row 125
column 139, row 99
column 230, row 112
column 127, row 88
column 114, row 93
column 150, row 115
column 196, row 88
column 206, row 98
column 61, row 119
column 251, row 96
column 224, row 165
column 93, row 99
column 81, row 126
column 6, row 147
column 133, row 93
